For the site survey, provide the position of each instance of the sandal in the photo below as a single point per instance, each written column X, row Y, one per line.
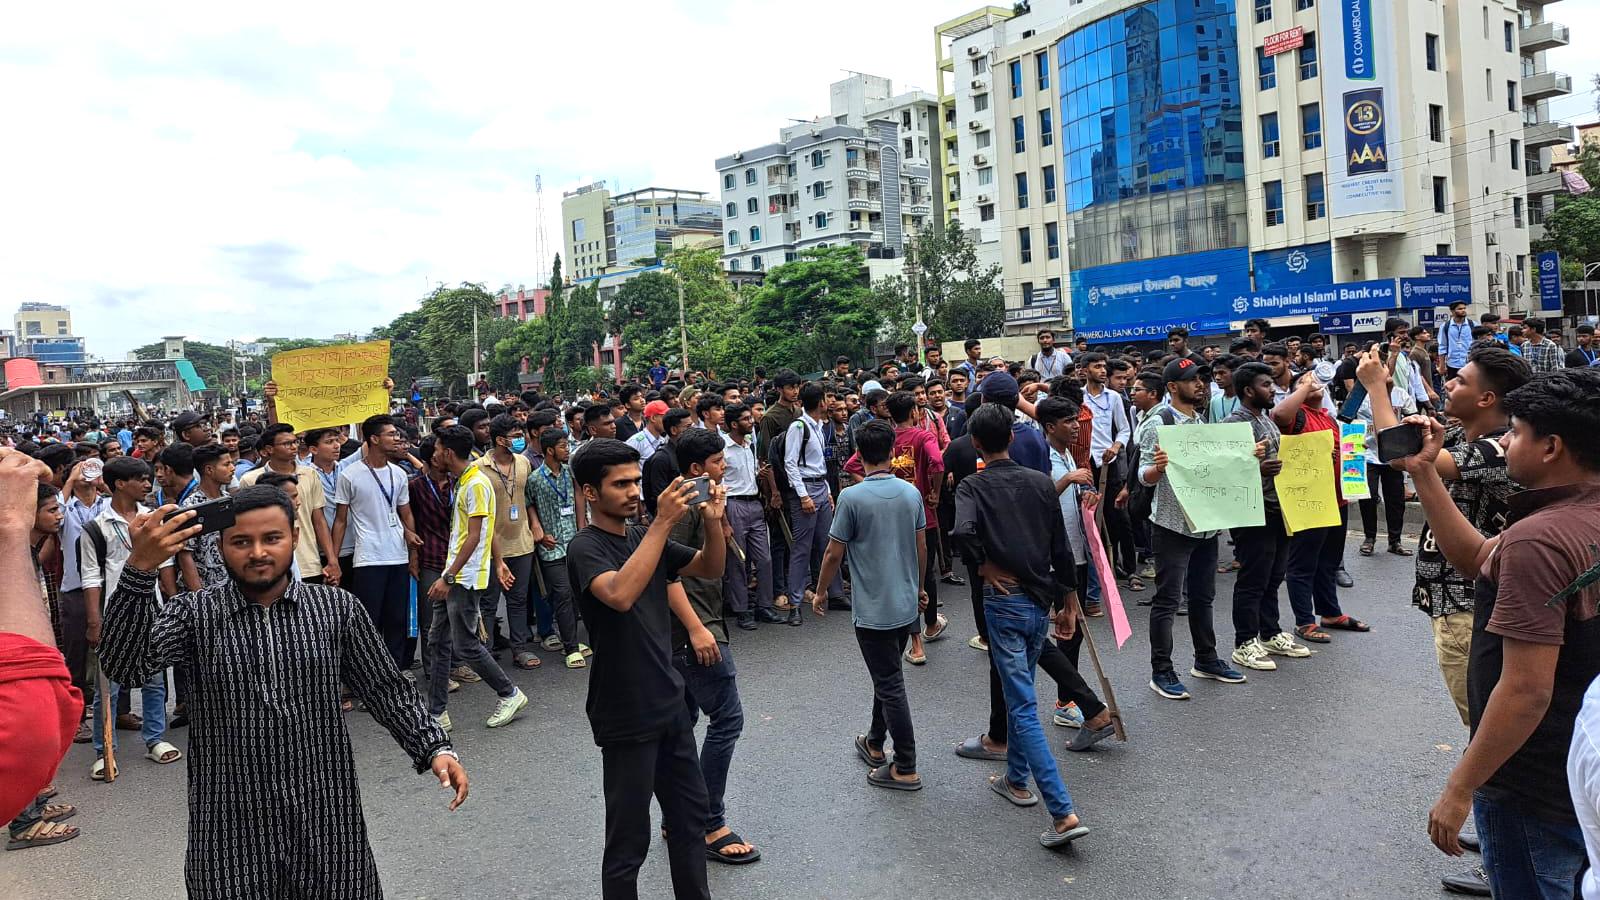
column 714, row 851
column 1398, row 550
column 49, row 792
column 781, row 603
column 916, row 660
column 1001, row 786
column 575, row 660
column 1230, row 566
column 97, row 772
column 940, row 623
column 1346, row 623
column 1366, row 548
column 868, row 755
column 57, row 812
column 1135, row 584
column 42, row 834
column 883, row 776
column 163, row 752
column 527, row 659
column 1313, row 633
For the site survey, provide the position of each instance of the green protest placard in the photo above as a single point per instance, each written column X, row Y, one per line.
column 1214, row 472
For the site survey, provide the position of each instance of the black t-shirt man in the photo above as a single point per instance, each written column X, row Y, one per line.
column 635, row 694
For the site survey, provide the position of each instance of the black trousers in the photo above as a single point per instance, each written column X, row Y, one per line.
column 930, row 577
column 667, row 768
column 891, row 711
column 1389, row 485
column 1059, row 660
column 1263, row 553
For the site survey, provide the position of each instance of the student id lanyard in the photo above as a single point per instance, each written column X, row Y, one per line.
column 388, row 492
column 561, row 493
column 516, row 513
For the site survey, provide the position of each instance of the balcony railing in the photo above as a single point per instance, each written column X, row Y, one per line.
column 1543, row 36
column 1544, row 85
column 1548, row 134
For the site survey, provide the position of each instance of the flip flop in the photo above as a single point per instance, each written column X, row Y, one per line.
column 526, row 660
column 1135, row 584
column 1313, row 633
column 882, row 777
column 973, row 748
column 163, row 753
column 714, row 851
column 999, row 785
column 940, row 623
column 864, row 750
column 1346, row 623
column 1367, row 547
column 1054, row 838
column 916, row 660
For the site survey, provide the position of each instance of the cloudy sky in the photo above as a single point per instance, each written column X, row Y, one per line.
column 290, row 169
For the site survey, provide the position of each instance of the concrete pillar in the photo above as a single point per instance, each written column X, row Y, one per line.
column 1369, row 259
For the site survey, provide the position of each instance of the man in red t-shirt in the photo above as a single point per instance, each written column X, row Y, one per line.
column 916, row 460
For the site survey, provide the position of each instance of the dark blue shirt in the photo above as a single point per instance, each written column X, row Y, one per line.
column 1028, row 448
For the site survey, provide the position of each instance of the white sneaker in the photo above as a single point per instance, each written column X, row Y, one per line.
column 443, row 721
column 507, row 709
column 977, row 642
column 1284, row 645
column 1252, row 655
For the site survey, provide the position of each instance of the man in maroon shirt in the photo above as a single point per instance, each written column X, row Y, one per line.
column 432, row 493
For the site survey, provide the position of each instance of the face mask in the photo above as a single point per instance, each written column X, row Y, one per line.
column 518, row 445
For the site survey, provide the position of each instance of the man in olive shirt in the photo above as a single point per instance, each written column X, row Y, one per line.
column 710, row 689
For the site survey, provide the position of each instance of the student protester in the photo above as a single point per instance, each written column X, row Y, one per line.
column 661, row 467
column 1009, row 520
column 881, row 528
column 702, row 655
column 1541, row 354
column 457, row 595
column 1535, row 635
column 313, row 536
column 174, row 475
column 200, row 561
column 373, row 502
column 557, row 517
column 630, row 421
column 1455, row 339
column 1262, row 550
column 746, row 481
column 1028, row 450
column 509, row 474
column 84, row 502
column 240, row 846
column 1223, row 401
column 1110, row 432
column 432, row 498
column 1185, row 560
column 636, row 704
column 810, row 507
column 650, row 438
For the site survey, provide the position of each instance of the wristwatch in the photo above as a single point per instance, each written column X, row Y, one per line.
column 449, row 578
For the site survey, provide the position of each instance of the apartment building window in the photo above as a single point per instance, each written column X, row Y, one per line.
column 1047, row 132
column 1488, row 84
column 1511, row 96
column 733, row 238
column 1435, row 123
column 733, row 265
column 1311, row 126
column 1019, row 134
column 1430, row 49
column 728, row 182
column 1263, row 10
column 755, row 233
column 980, row 64
column 1516, row 154
column 1041, row 66
column 821, row 219
column 1494, row 151
column 731, row 211
column 1308, row 56
column 1441, row 194
column 1016, row 79
column 1052, row 241
column 984, row 139
column 1027, row 293
column 752, row 205
column 1022, row 190
column 1274, row 202
column 818, row 157
column 1316, row 198
column 905, row 118
column 1055, row 285
column 1511, row 37
column 1266, row 70
column 986, row 176
column 986, row 213
column 819, row 188
column 1516, row 211
column 755, row 263
column 980, row 103
column 1269, row 136
column 1048, row 176
column 1025, row 245
column 1304, row 4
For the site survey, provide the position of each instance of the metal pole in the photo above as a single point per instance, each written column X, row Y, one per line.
column 683, row 332
column 474, row 346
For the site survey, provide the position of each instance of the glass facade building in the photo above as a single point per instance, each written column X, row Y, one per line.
column 640, row 226
column 1152, row 133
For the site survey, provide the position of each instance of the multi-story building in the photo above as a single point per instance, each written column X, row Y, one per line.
column 44, row 332
column 607, row 234
column 862, row 175
column 1543, row 139
column 1175, row 151
column 520, row 303
column 1564, row 157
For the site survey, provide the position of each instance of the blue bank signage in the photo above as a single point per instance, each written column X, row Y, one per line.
column 1356, row 17
column 1549, row 281
column 1351, row 323
column 1310, row 264
column 1447, row 265
column 1437, row 291
column 1193, row 287
column 1313, row 300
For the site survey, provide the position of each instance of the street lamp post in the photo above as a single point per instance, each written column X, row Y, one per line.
column 1588, row 292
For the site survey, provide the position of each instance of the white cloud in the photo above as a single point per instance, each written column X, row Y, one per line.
column 306, row 169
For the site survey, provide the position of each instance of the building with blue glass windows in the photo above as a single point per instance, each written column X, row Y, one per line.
column 1201, row 162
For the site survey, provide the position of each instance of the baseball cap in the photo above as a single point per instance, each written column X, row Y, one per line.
column 185, row 421
column 871, row 385
column 998, row 386
column 1181, row 369
column 655, row 408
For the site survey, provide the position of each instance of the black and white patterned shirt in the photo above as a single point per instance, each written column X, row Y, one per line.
column 274, row 809
column 206, row 548
column 1481, row 493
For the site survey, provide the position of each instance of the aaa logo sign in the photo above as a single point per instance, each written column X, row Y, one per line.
column 1366, row 148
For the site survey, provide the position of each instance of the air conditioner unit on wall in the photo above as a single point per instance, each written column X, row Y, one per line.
column 973, row 51
column 977, row 84
column 975, row 125
column 980, row 160
column 983, row 198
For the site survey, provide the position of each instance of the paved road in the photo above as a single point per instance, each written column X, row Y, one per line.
column 1312, row 781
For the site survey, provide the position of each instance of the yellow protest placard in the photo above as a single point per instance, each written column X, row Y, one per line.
column 1305, row 484
column 326, row 387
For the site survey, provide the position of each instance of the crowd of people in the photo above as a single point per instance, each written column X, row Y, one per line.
column 388, row 562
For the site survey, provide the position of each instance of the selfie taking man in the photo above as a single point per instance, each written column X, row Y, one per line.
column 264, row 634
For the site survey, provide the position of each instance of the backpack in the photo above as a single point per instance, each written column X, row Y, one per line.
column 777, row 450
column 1142, row 497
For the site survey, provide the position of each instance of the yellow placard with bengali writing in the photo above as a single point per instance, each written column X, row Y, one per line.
column 1305, row 483
column 326, row 387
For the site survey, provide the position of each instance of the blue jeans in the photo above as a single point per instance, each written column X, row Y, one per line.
column 1018, row 628
column 1525, row 856
column 713, row 691
column 153, row 696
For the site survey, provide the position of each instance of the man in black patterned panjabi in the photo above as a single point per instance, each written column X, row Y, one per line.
column 274, row 809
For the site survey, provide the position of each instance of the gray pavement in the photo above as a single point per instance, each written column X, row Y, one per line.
column 1312, row 781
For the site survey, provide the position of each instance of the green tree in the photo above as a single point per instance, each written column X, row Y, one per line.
column 812, row 309
column 960, row 297
column 448, row 328
column 407, row 359
column 645, row 312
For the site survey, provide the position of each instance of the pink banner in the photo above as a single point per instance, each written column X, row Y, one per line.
column 1109, row 595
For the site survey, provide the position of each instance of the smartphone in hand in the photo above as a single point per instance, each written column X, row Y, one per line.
column 702, row 490
column 1398, row 442
column 212, row 515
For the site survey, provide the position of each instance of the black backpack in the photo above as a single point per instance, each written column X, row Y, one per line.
column 776, row 451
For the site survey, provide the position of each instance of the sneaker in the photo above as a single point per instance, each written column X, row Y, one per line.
column 1069, row 716
column 454, row 686
column 465, row 674
column 1217, row 670
column 443, row 721
column 551, row 642
column 1167, row 685
column 507, row 708
column 1284, row 645
column 1253, row 655
column 977, row 642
